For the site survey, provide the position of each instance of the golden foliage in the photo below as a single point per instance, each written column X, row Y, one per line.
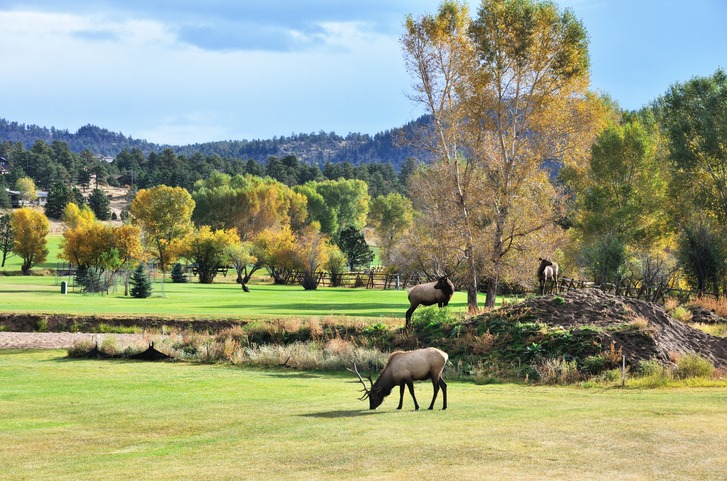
column 164, row 215
column 101, row 246
column 508, row 91
column 210, row 250
column 30, row 228
column 75, row 216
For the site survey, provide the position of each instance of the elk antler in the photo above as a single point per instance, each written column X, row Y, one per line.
column 366, row 390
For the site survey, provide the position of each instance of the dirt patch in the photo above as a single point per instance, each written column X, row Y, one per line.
column 643, row 330
column 57, row 340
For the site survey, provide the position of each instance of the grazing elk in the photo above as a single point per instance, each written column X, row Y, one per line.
column 402, row 369
column 547, row 272
column 438, row 292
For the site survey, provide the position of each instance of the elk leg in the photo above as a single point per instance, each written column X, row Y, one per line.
column 401, row 396
column 444, row 393
column 435, row 384
column 409, row 312
column 411, row 391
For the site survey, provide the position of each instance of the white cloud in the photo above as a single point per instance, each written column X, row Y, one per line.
column 142, row 77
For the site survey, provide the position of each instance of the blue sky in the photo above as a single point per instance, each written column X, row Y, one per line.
column 187, row 71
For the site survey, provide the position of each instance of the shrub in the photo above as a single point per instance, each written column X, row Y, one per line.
column 718, row 306
column 693, row 366
column 611, row 376
column 432, row 322
column 651, row 367
column 558, row 301
column 111, row 329
column 41, row 325
column 670, row 304
column 596, row 364
column 558, row 371
column 680, row 313
column 80, row 347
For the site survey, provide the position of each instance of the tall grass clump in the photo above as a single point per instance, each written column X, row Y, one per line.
column 693, row 366
column 687, row 367
column 332, row 356
column 718, row 330
column 718, row 306
column 681, row 313
column 557, row 371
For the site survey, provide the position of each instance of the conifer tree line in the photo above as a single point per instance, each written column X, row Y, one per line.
column 523, row 161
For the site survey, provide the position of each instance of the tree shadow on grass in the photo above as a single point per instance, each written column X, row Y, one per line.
column 341, row 414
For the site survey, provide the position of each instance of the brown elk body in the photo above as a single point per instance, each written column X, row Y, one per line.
column 547, row 272
column 402, row 369
column 438, row 292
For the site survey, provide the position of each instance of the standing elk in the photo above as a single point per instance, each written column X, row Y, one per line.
column 438, row 292
column 402, row 369
column 548, row 271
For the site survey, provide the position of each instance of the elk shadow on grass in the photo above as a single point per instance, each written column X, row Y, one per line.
column 297, row 375
column 347, row 413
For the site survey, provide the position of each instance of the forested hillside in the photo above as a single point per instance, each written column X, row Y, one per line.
column 314, row 148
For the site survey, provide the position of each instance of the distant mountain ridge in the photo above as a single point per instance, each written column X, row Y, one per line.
column 320, row 148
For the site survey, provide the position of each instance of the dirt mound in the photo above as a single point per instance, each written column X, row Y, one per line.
column 643, row 330
column 705, row 316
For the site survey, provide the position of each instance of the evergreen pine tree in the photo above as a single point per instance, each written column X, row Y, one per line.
column 89, row 279
column 77, row 197
column 178, row 275
column 58, row 196
column 99, row 203
column 140, row 283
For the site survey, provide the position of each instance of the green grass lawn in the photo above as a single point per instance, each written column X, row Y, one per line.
column 225, row 299
column 87, row 420
column 222, row 299
column 13, row 263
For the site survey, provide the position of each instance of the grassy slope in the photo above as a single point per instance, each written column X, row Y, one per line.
column 71, row 420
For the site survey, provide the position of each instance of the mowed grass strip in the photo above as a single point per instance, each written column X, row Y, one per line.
column 224, row 299
column 85, row 419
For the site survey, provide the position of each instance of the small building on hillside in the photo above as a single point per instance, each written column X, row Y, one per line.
column 17, row 200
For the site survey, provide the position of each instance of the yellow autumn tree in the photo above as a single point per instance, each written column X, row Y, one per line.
column 101, row 246
column 30, row 228
column 75, row 216
column 98, row 250
column 164, row 215
column 276, row 249
column 249, row 203
column 211, row 250
column 508, row 92
column 313, row 250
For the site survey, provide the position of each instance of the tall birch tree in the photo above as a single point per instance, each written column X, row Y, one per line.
column 507, row 91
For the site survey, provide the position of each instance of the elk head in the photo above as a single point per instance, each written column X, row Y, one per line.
column 375, row 398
